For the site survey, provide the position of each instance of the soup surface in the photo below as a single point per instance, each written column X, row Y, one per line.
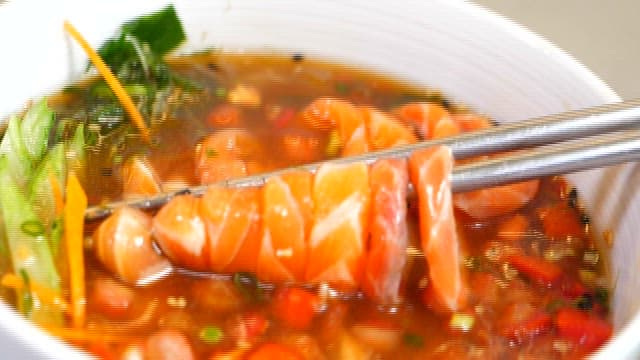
column 536, row 287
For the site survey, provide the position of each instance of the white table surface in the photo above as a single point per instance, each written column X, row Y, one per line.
column 603, row 35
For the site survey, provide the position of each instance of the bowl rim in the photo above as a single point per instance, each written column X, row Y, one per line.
column 42, row 344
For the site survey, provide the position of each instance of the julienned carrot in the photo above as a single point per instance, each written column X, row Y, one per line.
column 111, row 80
column 74, row 208
column 56, row 189
column 94, row 335
column 44, row 294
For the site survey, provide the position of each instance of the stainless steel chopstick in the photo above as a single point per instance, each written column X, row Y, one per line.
column 533, row 132
column 556, row 159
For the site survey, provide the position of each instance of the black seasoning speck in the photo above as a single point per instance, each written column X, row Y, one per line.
column 446, row 104
column 297, row 57
column 572, row 198
column 106, row 171
column 213, row 66
column 584, row 219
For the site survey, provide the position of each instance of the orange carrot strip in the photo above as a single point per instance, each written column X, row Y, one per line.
column 90, row 336
column 111, row 80
column 43, row 293
column 56, row 188
column 74, row 209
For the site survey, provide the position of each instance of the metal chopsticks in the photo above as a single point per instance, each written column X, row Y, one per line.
column 574, row 147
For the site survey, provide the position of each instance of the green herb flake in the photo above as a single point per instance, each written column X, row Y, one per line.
column 342, row 88
column 221, row 92
column 601, row 295
column 211, row 334
column 32, row 228
column 248, row 285
column 211, row 153
column 413, row 340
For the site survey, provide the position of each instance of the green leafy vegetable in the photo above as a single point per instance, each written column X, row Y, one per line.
column 161, row 32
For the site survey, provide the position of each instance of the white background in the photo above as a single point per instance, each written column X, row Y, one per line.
column 603, row 35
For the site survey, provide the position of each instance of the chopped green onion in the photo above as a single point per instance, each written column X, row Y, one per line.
column 462, row 322
column 413, row 340
column 221, row 92
column 342, row 88
column 27, row 298
column 32, row 228
column 211, row 334
column 211, row 153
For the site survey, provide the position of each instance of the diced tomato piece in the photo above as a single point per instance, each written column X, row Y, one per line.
column 536, row 323
column 247, row 327
column 588, row 330
column 168, row 344
column 484, row 287
column 513, row 228
column 295, row 307
column 271, row 351
column 112, row 298
column 225, row 115
column 101, row 351
column 284, row 118
column 573, row 288
column 536, row 268
column 561, row 221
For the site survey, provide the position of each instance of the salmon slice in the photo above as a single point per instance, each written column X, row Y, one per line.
column 286, row 220
column 387, row 256
column 232, row 219
column 385, row 131
column 430, row 120
column 226, row 154
column 337, row 242
column 498, row 200
column 180, row 232
column 430, row 171
column 471, row 122
column 329, row 113
column 123, row 244
column 139, row 179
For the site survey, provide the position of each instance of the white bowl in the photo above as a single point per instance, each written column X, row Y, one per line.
column 474, row 56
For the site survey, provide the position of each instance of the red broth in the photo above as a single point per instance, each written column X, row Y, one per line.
column 537, row 283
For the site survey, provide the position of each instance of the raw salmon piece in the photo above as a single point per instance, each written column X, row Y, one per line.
column 232, row 219
column 430, row 171
column 471, row 122
column 385, row 131
column 286, row 220
column 180, row 232
column 226, row 154
column 123, row 244
column 388, row 240
column 139, row 179
column 498, row 200
column 337, row 242
column 329, row 113
column 430, row 120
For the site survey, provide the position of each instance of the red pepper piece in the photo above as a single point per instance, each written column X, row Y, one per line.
column 536, row 268
column 537, row 323
column 587, row 330
column 560, row 221
column 295, row 307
